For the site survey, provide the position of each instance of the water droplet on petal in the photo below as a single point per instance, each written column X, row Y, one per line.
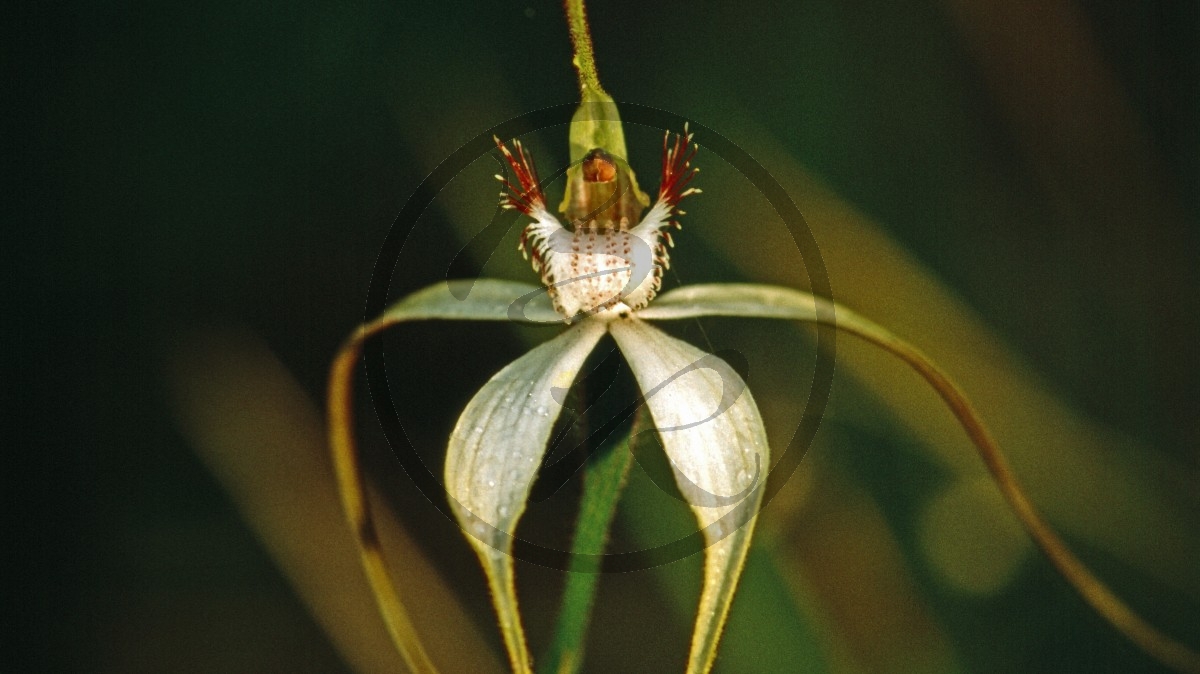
column 542, row 411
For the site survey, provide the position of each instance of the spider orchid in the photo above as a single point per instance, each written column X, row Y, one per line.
column 601, row 274
column 601, row 277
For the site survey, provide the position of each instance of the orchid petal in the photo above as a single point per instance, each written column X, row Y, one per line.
column 739, row 299
column 474, row 300
column 711, row 431
column 494, row 455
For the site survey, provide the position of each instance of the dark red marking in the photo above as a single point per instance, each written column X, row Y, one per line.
column 529, row 197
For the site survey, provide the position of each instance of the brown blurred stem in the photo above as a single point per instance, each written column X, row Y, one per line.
column 1164, row 648
column 358, row 507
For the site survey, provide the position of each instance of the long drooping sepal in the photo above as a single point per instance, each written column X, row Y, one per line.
column 494, row 455
column 713, row 435
column 761, row 301
column 740, row 299
column 484, row 300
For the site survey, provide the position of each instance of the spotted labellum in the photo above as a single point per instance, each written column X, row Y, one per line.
column 612, row 261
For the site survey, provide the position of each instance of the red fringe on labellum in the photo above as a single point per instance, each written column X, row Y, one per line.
column 677, row 169
column 528, row 197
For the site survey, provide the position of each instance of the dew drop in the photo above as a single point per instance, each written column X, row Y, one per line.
column 542, row 411
column 504, row 511
column 491, row 483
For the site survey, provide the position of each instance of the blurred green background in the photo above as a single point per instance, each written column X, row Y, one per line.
column 1011, row 184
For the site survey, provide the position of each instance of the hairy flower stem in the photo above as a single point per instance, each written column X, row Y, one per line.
column 585, row 57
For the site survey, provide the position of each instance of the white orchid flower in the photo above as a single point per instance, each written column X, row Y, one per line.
column 600, row 276
column 601, row 273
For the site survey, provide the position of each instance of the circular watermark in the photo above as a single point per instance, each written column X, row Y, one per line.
column 488, row 240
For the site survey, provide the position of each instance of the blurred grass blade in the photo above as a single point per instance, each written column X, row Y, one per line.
column 259, row 433
column 842, row 563
column 759, row 301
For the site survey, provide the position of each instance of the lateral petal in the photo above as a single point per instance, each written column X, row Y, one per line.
column 473, row 300
column 713, row 435
column 739, row 299
column 494, row 455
